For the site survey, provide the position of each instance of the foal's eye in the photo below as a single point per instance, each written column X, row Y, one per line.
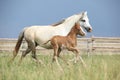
column 83, row 20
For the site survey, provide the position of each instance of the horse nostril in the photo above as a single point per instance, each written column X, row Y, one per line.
column 89, row 30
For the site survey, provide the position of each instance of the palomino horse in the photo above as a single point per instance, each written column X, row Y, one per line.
column 38, row 35
column 69, row 42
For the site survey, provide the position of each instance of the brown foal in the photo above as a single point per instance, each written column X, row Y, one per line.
column 69, row 42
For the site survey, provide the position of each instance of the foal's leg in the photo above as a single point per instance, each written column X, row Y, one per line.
column 74, row 50
column 82, row 61
column 56, row 50
column 77, row 55
column 55, row 55
column 58, row 54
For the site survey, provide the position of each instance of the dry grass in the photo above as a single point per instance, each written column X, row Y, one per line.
column 99, row 67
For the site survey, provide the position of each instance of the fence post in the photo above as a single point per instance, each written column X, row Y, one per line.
column 88, row 47
column 92, row 42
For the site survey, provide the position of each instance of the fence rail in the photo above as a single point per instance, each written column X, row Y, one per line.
column 84, row 44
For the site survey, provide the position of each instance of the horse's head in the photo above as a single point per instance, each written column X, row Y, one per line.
column 79, row 29
column 84, row 22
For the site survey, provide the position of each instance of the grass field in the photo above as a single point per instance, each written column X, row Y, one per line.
column 99, row 67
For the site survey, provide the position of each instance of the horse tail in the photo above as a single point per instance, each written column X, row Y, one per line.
column 18, row 44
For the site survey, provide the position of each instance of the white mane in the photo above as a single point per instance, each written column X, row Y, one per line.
column 70, row 22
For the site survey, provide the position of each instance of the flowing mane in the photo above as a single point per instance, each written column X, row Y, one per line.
column 72, row 20
column 58, row 23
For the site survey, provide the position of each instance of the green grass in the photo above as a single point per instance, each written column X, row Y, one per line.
column 99, row 67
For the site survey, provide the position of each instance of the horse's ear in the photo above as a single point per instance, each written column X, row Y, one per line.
column 85, row 12
column 80, row 13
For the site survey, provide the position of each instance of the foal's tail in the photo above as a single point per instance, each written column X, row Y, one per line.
column 46, row 42
column 18, row 44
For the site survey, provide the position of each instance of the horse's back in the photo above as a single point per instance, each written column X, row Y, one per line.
column 31, row 31
column 39, row 34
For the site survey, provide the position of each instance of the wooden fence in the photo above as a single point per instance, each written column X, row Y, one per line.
column 92, row 44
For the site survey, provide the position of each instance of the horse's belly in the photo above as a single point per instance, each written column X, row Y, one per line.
column 47, row 46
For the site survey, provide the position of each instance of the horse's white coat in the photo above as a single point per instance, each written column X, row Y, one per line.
column 41, row 34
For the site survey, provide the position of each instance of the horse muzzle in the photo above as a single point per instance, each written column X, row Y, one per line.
column 88, row 29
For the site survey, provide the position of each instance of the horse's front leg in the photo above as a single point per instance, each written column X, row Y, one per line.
column 79, row 57
column 75, row 51
column 33, row 47
column 35, row 58
column 56, row 54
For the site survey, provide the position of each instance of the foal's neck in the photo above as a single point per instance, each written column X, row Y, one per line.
column 72, row 34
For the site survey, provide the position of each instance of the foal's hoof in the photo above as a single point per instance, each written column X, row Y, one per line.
column 72, row 60
column 68, row 63
column 38, row 61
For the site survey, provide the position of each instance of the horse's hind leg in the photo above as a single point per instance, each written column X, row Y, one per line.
column 33, row 47
column 34, row 57
column 24, row 54
column 55, row 54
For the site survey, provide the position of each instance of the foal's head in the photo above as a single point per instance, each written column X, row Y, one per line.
column 79, row 29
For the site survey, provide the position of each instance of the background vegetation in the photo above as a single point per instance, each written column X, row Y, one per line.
column 99, row 67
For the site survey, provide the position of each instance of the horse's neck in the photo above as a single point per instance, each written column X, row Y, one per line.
column 72, row 36
column 70, row 23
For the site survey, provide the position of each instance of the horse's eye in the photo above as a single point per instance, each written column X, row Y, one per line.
column 83, row 20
